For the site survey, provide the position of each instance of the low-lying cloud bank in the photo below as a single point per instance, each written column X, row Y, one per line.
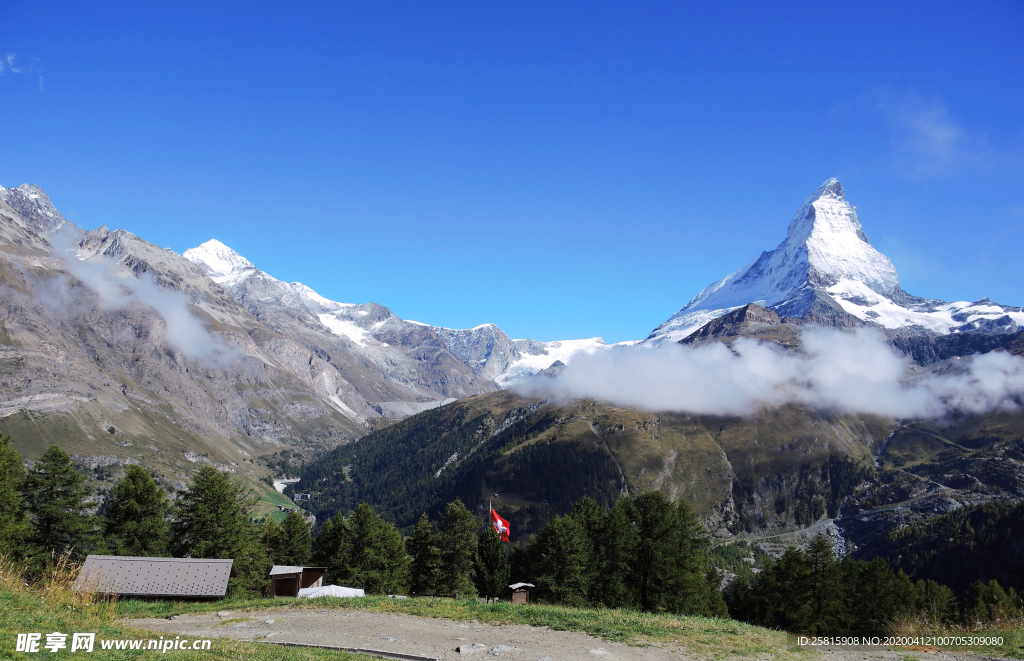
column 116, row 288
column 846, row 371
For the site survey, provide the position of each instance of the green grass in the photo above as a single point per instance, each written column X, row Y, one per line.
column 707, row 637
column 50, row 606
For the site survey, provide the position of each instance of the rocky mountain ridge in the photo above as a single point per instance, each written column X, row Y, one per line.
column 485, row 349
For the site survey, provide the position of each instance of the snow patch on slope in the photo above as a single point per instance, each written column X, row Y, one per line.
column 224, row 266
column 345, row 328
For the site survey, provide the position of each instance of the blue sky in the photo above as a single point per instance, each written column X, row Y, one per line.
column 561, row 169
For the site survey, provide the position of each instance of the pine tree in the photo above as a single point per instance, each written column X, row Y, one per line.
column 375, row 559
column 492, row 565
column 660, row 540
column 270, row 538
column 55, row 496
column 594, row 520
column 987, row 602
column 823, row 608
column 296, row 544
column 135, row 521
column 426, row 557
column 332, row 540
column 458, row 551
column 13, row 528
column 936, row 602
column 617, row 582
column 211, row 520
column 694, row 584
column 875, row 596
column 562, row 556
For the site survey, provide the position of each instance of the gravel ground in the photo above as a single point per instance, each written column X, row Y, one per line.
column 441, row 638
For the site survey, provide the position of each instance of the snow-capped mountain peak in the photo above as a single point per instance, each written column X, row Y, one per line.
column 223, row 265
column 827, row 227
column 825, row 259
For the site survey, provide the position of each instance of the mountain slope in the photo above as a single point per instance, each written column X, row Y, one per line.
column 534, row 458
column 826, row 271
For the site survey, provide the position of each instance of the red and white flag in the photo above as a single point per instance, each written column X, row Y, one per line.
column 500, row 525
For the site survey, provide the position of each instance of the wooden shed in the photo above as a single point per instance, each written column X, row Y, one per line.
column 155, row 578
column 287, row 580
column 521, row 592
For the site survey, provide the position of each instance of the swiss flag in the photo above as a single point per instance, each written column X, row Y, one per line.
column 500, row 525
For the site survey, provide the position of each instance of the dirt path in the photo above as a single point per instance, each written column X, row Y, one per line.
column 430, row 637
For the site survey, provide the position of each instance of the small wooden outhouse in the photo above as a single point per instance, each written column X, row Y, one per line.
column 521, row 592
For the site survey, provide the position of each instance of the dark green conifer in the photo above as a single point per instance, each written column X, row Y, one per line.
column 821, row 591
column 375, row 559
column 295, row 544
column 332, row 539
column 594, row 520
column 988, row 602
column 492, row 566
column 136, row 516
column 458, row 551
column 211, row 520
column 13, row 528
column 425, row 557
column 616, row 584
column 55, row 496
column 270, row 536
column 936, row 602
column 562, row 556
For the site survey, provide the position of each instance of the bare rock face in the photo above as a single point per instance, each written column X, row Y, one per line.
column 33, row 206
column 486, row 349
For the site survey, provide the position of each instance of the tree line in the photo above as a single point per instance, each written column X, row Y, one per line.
column 811, row 591
column 643, row 552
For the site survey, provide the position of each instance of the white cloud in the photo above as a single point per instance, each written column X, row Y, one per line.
column 846, row 371
column 116, row 288
column 930, row 143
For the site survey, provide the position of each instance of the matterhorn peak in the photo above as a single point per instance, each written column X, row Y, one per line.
column 221, row 263
column 831, row 188
column 825, row 247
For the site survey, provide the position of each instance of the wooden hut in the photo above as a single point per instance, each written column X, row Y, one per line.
column 521, row 592
column 287, row 580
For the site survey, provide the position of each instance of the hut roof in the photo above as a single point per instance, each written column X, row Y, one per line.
column 281, row 570
column 130, row 576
